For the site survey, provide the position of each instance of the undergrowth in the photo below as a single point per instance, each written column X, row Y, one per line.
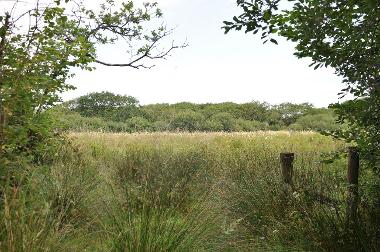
column 188, row 192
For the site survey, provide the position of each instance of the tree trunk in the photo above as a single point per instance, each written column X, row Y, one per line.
column 3, row 37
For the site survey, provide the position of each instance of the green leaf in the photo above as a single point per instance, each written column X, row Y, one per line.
column 274, row 41
column 267, row 15
column 228, row 23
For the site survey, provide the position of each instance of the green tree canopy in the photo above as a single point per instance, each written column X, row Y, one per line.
column 105, row 104
column 222, row 121
column 289, row 112
column 187, row 120
column 344, row 35
column 40, row 46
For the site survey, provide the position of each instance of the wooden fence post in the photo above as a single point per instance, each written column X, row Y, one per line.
column 353, row 181
column 287, row 166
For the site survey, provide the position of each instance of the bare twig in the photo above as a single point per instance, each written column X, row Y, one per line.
column 147, row 54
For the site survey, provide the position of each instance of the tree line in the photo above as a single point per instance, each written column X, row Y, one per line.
column 105, row 111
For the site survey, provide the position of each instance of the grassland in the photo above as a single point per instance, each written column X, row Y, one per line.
column 187, row 192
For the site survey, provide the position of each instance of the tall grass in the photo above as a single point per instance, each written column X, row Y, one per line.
column 188, row 192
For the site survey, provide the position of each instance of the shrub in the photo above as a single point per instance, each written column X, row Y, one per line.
column 187, row 121
column 246, row 125
column 138, row 124
column 221, row 122
column 319, row 121
column 161, row 126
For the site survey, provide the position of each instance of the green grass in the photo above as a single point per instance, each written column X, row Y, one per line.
column 188, row 192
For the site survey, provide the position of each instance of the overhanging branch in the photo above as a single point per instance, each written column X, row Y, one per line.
column 146, row 55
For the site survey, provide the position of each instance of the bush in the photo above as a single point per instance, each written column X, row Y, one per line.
column 113, row 126
column 246, row 125
column 138, row 124
column 72, row 121
column 161, row 126
column 187, row 121
column 320, row 121
column 221, row 122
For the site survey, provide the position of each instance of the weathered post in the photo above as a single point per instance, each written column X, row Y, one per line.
column 287, row 166
column 353, row 181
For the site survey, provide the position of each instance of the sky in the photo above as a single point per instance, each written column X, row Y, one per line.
column 214, row 67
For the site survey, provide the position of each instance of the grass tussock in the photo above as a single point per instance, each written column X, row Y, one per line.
column 188, row 192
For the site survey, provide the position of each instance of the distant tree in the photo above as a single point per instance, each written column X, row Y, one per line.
column 187, row 121
column 343, row 35
column 107, row 105
column 161, row 126
column 185, row 106
column 158, row 112
column 222, row 122
column 254, row 111
column 250, row 125
column 138, row 124
column 289, row 112
column 225, row 107
column 318, row 120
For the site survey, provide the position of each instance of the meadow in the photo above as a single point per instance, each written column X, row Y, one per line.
column 123, row 190
column 188, row 192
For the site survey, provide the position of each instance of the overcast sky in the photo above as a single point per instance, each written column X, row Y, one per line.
column 214, row 67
